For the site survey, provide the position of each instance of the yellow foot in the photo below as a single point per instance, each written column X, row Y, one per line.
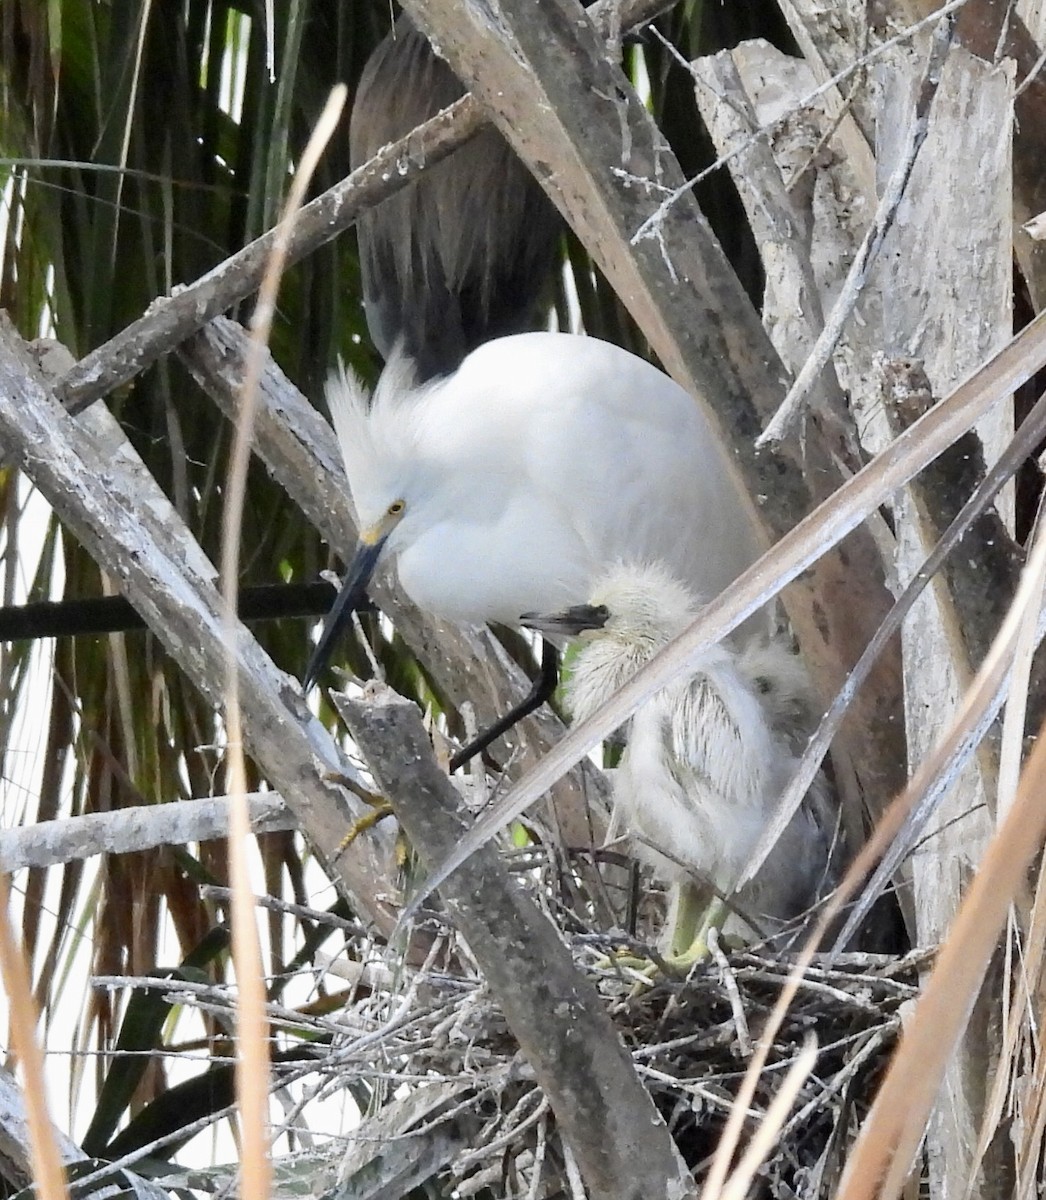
column 645, row 970
column 624, row 960
column 380, row 810
column 350, row 785
column 627, row 963
column 697, row 952
column 362, row 824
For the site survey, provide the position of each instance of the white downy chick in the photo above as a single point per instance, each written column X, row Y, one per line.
column 708, row 757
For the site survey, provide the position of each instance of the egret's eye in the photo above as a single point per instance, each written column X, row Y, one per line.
column 395, row 508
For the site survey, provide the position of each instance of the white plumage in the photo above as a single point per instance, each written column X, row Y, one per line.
column 708, row 757
column 543, row 459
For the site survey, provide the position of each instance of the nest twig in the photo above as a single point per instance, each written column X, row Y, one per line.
column 445, row 1093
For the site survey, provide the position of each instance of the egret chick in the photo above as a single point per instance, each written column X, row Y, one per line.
column 706, row 759
column 513, row 484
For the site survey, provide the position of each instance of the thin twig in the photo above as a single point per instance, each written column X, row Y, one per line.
column 744, row 1036
column 577, row 1188
column 539, row 1159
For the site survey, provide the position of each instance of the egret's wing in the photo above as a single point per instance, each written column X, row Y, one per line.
column 718, row 742
column 641, row 471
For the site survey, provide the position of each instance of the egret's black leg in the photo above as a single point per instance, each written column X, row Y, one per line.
column 544, row 686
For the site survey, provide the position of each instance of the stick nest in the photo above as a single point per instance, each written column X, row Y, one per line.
column 691, row 1041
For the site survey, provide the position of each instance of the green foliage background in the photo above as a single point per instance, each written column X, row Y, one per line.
column 140, row 145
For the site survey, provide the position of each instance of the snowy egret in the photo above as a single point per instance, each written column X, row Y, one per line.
column 462, row 255
column 706, row 759
column 513, row 484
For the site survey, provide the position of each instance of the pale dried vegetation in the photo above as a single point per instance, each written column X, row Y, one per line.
column 884, row 167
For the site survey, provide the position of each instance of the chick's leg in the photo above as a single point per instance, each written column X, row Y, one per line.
column 684, row 941
column 690, row 916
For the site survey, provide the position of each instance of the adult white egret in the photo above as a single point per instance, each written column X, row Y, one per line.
column 706, row 759
column 513, row 484
column 461, row 255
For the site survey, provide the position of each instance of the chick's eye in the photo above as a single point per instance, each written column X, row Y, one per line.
column 395, row 508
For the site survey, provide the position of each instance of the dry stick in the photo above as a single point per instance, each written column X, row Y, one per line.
column 316, row 916
column 142, row 827
column 733, row 992
column 539, row 1160
column 1035, row 938
column 810, row 540
column 48, row 1174
column 886, row 1145
column 252, row 1066
column 1031, row 1141
column 1023, row 444
column 577, row 1187
column 1016, row 715
column 783, row 421
column 1031, row 973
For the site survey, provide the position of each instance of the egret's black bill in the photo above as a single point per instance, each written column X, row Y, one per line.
column 570, row 623
column 353, row 591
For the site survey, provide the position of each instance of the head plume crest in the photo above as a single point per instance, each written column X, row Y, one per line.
column 376, row 427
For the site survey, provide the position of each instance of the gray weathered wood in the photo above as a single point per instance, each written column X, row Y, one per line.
column 619, row 1139
column 99, row 488
column 944, row 289
column 140, row 828
column 782, row 224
